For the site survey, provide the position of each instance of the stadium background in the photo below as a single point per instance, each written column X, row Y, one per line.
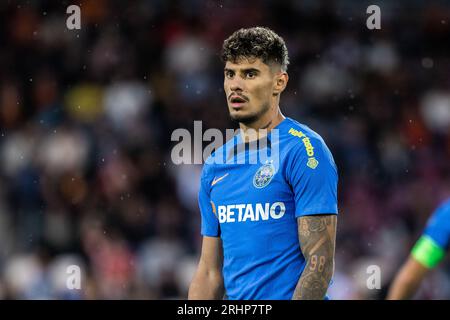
column 86, row 118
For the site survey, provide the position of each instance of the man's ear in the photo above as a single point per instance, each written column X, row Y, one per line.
column 281, row 81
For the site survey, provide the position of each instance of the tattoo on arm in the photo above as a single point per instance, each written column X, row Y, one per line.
column 317, row 236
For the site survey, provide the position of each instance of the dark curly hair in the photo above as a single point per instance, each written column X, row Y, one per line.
column 256, row 42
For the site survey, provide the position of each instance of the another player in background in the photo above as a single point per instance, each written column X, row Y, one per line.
column 268, row 228
column 429, row 250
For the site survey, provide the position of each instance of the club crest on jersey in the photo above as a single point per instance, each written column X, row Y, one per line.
column 264, row 175
column 312, row 163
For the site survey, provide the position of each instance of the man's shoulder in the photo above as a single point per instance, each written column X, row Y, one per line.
column 442, row 213
column 299, row 136
column 221, row 154
column 303, row 144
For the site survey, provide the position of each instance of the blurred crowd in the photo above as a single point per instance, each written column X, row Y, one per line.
column 86, row 116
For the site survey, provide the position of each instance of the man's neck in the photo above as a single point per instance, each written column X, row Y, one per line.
column 261, row 127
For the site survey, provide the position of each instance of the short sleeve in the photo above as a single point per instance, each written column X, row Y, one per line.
column 312, row 174
column 209, row 221
column 438, row 226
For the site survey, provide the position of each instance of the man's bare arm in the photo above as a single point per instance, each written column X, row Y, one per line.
column 208, row 280
column 407, row 280
column 317, row 236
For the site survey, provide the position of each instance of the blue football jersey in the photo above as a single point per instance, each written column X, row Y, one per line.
column 438, row 226
column 253, row 206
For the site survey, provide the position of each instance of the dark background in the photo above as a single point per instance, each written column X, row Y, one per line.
column 86, row 118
